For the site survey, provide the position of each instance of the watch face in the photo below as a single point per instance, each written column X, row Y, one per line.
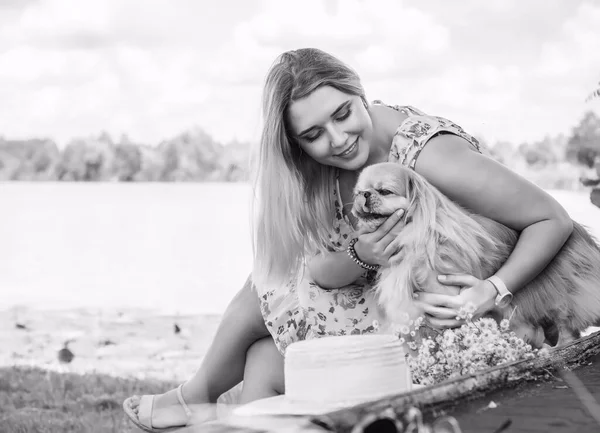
column 504, row 300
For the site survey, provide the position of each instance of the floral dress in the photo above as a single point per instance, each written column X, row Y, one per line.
column 302, row 309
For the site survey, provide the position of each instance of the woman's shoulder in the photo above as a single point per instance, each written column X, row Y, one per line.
column 417, row 129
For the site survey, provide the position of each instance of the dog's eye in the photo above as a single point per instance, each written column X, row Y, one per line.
column 384, row 191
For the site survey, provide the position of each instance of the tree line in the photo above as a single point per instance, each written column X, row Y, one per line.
column 581, row 147
column 194, row 156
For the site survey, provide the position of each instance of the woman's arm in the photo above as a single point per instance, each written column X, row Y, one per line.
column 488, row 188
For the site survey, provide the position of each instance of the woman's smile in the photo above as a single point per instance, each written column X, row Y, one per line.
column 349, row 152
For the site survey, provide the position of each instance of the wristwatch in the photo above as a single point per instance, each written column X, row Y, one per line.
column 504, row 297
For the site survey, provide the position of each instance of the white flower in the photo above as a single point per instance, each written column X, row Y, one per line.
column 474, row 346
column 404, row 329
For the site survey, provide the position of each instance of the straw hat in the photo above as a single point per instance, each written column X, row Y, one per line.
column 330, row 373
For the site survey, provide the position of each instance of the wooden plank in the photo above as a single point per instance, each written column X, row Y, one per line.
column 541, row 407
column 448, row 394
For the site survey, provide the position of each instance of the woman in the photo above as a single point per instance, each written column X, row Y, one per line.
column 311, row 280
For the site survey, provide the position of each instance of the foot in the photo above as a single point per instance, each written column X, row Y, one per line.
column 167, row 411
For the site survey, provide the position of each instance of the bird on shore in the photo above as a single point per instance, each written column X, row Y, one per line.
column 65, row 356
column 176, row 328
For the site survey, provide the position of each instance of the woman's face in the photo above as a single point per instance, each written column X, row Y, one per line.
column 332, row 127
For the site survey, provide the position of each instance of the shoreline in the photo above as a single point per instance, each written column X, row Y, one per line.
column 123, row 343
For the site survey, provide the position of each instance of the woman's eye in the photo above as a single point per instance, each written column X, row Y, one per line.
column 345, row 115
column 312, row 137
column 385, row 192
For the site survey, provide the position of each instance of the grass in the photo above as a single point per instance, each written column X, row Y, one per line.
column 41, row 401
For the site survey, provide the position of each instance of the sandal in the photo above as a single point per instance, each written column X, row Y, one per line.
column 143, row 419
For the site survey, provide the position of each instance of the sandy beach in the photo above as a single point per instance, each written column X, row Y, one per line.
column 125, row 343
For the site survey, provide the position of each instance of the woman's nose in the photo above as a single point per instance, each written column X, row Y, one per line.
column 338, row 137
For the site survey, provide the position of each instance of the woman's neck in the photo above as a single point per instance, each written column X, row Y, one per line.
column 386, row 121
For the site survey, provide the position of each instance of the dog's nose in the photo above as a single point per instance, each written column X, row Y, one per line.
column 366, row 195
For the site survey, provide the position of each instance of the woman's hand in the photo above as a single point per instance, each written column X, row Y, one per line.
column 476, row 296
column 376, row 247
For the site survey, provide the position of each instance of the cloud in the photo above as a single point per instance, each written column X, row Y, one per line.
column 568, row 68
column 68, row 22
column 382, row 40
column 154, row 68
column 577, row 52
column 75, row 68
column 379, row 42
column 531, row 88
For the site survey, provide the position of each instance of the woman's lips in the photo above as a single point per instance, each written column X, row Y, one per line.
column 348, row 151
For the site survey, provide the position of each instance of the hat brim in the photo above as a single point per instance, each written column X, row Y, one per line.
column 282, row 405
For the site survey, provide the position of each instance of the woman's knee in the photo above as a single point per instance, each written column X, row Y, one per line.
column 264, row 348
column 263, row 375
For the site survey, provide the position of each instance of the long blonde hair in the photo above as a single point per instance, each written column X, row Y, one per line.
column 293, row 208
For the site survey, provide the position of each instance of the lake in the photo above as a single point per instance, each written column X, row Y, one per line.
column 174, row 247
column 171, row 247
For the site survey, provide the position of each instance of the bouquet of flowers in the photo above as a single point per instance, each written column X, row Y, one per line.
column 476, row 345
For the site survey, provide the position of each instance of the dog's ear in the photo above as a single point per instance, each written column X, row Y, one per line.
column 422, row 199
column 422, row 212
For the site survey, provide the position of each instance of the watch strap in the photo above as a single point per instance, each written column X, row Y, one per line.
column 499, row 285
column 504, row 296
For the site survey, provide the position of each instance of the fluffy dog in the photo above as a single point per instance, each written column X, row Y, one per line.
column 441, row 237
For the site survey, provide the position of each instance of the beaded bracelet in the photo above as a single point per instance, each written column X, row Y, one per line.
column 352, row 253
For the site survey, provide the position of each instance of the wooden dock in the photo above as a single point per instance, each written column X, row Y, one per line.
column 528, row 395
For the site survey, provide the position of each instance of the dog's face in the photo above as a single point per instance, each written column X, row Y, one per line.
column 381, row 190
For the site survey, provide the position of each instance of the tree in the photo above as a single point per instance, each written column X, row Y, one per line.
column 33, row 159
column 87, row 160
column 128, row 161
column 584, row 144
column 503, row 152
column 548, row 151
column 190, row 156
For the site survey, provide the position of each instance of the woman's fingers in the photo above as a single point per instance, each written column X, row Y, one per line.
column 437, row 312
column 444, row 323
column 390, row 242
column 458, row 280
column 392, row 249
column 379, row 244
column 439, row 300
column 388, row 224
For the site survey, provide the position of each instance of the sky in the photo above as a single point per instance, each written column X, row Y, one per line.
column 510, row 70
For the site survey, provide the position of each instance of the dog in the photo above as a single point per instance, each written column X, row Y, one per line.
column 441, row 237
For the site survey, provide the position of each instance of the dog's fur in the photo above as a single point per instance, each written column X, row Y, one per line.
column 441, row 237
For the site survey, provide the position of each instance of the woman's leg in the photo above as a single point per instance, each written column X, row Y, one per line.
column 263, row 375
column 223, row 365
